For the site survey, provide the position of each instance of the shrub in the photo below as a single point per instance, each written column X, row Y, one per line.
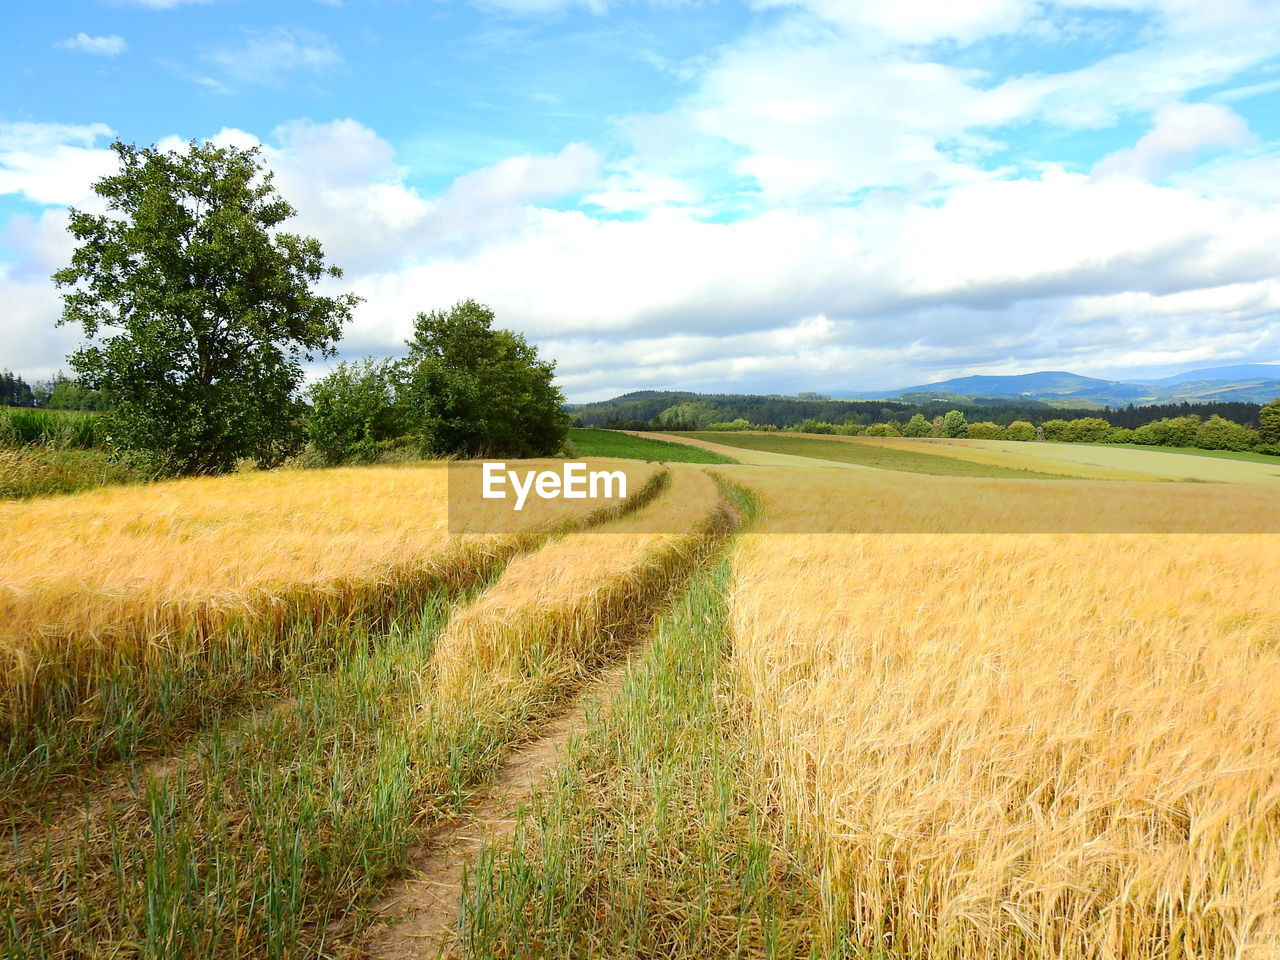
column 1020, row 430
column 353, row 413
column 1269, row 423
column 1175, row 431
column 1056, row 430
column 1088, row 430
column 810, row 425
column 917, row 426
column 470, row 389
column 1219, row 433
column 985, row 430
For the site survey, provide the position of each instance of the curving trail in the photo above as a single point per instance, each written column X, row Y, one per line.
column 421, row 911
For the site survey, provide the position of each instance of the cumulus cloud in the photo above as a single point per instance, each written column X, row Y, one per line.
column 823, row 206
column 53, row 163
column 1060, row 270
column 108, row 46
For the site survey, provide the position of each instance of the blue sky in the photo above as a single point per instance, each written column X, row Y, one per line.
column 766, row 196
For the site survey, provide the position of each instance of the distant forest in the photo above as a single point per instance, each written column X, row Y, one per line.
column 685, row 410
column 676, row 410
column 57, row 393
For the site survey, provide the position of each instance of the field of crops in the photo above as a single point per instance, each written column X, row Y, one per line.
column 615, row 443
column 797, row 706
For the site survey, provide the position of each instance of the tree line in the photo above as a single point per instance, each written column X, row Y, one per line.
column 676, row 410
column 59, row 392
column 1187, row 430
column 199, row 310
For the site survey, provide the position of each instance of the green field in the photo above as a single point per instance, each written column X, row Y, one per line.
column 1197, row 452
column 612, row 443
column 866, row 455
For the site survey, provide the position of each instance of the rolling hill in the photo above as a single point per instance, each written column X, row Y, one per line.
column 1249, row 383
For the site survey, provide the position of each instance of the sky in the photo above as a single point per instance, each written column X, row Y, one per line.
column 770, row 196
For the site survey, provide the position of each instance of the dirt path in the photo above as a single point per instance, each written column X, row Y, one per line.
column 422, row 911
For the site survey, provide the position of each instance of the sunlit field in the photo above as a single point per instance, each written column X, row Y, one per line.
column 129, row 613
column 858, row 712
column 1097, row 460
column 1012, row 746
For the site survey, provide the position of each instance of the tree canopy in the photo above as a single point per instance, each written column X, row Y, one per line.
column 200, row 309
column 471, row 390
column 1269, row 423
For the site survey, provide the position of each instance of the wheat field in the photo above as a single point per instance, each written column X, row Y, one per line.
column 129, row 613
column 894, row 716
column 1039, row 745
column 553, row 607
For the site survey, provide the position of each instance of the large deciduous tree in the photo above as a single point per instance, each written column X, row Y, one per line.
column 200, row 310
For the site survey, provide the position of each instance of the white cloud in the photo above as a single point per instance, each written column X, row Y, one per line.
column 108, row 46
column 527, row 178
column 1063, row 270
column 266, row 57
column 760, row 248
column 1246, row 92
column 632, row 190
column 1181, row 130
column 837, row 98
column 53, row 163
column 919, row 21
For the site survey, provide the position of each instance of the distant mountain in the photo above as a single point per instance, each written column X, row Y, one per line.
column 1240, row 372
column 1250, row 383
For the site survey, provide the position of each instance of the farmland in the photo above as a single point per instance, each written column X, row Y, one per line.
column 613, row 443
column 810, row 704
column 868, row 455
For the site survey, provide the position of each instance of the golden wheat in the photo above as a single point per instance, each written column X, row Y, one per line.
column 139, row 577
column 1020, row 746
column 555, row 612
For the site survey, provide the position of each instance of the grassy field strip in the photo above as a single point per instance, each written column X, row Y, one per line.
column 197, row 605
column 847, row 451
column 421, row 911
column 1007, row 454
column 1164, row 464
column 43, row 471
column 818, row 500
column 1039, row 746
column 635, row 446
column 251, row 846
column 651, row 840
column 746, row 455
column 276, row 841
column 558, row 614
column 1246, row 456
